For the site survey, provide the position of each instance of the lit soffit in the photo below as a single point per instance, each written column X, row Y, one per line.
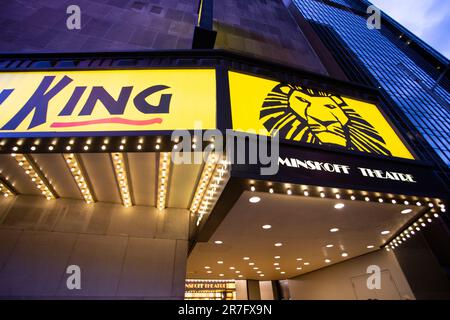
column 301, row 224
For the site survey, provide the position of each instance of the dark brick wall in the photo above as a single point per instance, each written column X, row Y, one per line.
column 106, row 25
column 265, row 29
column 261, row 28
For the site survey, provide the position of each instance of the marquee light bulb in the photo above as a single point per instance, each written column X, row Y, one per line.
column 25, row 162
column 339, row 206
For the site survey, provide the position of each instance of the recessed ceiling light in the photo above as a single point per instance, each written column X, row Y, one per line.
column 277, row 268
column 232, row 268
column 330, row 245
column 370, row 246
column 261, row 275
column 282, row 272
column 306, row 263
column 405, row 211
column 278, row 244
column 220, row 262
column 266, row 226
column 334, row 230
column 344, row 254
column 277, row 257
column 339, row 205
column 276, row 264
column 218, row 242
column 255, row 268
column 209, row 271
column 385, row 232
column 327, row 260
column 254, row 199
column 299, row 259
column 221, row 275
column 207, row 267
column 299, row 268
column 246, row 258
column 251, row 263
column 240, row 276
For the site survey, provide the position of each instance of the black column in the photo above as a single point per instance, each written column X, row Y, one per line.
column 204, row 35
column 425, row 261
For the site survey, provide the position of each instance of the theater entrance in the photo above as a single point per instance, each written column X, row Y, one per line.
column 210, row 290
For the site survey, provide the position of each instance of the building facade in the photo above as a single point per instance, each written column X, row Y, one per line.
column 89, row 181
column 412, row 75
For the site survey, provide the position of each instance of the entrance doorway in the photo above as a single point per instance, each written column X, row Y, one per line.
column 210, row 290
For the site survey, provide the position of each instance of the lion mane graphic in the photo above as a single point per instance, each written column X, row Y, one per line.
column 314, row 116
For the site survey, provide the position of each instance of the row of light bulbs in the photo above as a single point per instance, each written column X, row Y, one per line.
column 122, row 178
column 78, row 175
column 218, row 179
column 205, row 177
column 413, row 228
column 43, row 186
column 5, row 191
column 351, row 195
column 89, row 147
column 163, row 180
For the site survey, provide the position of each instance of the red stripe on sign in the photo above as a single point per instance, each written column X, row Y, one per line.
column 106, row 120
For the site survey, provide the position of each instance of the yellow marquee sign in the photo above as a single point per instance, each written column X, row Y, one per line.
column 106, row 101
column 311, row 116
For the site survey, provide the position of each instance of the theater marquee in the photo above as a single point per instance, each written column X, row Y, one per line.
column 315, row 167
column 106, row 101
column 311, row 116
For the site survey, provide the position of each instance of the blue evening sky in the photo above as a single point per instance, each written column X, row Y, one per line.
column 428, row 19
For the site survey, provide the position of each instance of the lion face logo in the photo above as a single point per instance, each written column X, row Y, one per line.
column 317, row 117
